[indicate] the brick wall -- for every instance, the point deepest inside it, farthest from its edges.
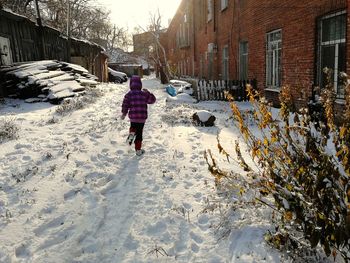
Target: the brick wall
(298, 22)
(251, 20)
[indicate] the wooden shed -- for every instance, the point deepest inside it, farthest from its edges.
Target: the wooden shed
(23, 40)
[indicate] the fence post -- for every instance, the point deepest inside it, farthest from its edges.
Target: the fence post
(199, 90)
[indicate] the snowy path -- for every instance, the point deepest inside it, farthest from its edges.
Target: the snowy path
(73, 191)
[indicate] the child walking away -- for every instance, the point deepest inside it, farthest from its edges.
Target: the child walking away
(135, 105)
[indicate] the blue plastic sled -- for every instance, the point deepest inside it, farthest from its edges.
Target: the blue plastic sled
(171, 90)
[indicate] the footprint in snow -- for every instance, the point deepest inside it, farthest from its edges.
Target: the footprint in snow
(188, 185)
(57, 222)
(194, 248)
(155, 188)
(120, 152)
(26, 158)
(187, 206)
(70, 194)
(157, 228)
(22, 251)
(198, 196)
(196, 238)
(203, 219)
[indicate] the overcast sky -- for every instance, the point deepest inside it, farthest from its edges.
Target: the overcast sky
(131, 13)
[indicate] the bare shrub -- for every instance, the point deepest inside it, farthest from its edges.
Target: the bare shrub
(304, 164)
(8, 129)
(88, 97)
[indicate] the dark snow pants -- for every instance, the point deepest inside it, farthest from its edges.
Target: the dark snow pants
(137, 128)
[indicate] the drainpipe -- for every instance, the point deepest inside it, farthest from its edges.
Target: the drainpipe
(216, 49)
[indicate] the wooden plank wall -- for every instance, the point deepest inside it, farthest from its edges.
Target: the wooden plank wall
(25, 41)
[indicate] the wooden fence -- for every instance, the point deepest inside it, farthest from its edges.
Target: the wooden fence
(217, 89)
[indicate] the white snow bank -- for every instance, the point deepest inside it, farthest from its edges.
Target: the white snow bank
(181, 98)
(179, 83)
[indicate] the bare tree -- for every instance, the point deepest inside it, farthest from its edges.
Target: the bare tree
(158, 53)
(23, 7)
(87, 21)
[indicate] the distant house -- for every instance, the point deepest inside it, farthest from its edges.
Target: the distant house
(275, 42)
(128, 69)
(129, 63)
(145, 47)
(23, 40)
(143, 44)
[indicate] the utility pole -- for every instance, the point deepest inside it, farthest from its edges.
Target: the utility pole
(68, 32)
(40, 31)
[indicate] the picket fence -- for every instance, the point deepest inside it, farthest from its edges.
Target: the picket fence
(217, 89)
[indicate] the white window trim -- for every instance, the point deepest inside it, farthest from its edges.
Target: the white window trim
(210, 10)
(225, 61)
(240, 54)
(328, 43)
(223, 4)
(273, 85)
(334, 14)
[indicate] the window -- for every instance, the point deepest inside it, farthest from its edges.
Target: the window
(273, 59)
(225, 63)
(332, 51)
(210, 10)
(224, 4)
(243, 60)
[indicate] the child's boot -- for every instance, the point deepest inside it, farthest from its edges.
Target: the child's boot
(131, 136)
(139, 151)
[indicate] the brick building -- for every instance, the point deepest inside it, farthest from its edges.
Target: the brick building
(143, 44)
(275, 42)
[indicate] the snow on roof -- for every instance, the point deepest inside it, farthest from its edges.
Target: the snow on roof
(121, 57)
(88, 42)
(10, 12)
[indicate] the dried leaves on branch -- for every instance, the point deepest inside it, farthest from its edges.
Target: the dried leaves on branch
(304, 163)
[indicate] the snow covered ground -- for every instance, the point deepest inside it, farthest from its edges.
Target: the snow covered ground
(71, 190)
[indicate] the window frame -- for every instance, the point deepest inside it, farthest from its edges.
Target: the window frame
(274, 78)
(223, 5)
(246, 60)
(225, 63)
(331, 43)
(210, 11)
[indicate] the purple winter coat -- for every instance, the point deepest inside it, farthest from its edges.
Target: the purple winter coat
(136, 100)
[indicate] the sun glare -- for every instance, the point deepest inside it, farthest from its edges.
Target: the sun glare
(135, 13)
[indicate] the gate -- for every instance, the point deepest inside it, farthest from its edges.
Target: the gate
(5, 51)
